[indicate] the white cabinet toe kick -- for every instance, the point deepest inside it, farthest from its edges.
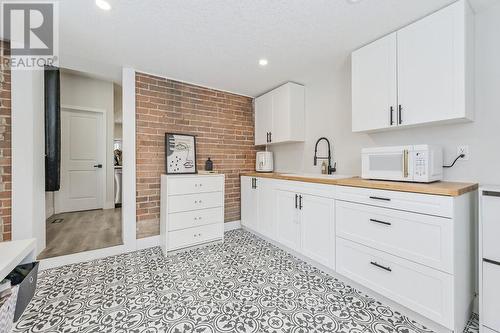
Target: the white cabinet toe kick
(415, 250)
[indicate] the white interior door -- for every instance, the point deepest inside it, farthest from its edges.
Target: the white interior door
(82, 161)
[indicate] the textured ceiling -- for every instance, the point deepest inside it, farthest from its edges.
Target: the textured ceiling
(217, 43)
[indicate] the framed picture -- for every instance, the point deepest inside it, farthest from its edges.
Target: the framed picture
(180, 153)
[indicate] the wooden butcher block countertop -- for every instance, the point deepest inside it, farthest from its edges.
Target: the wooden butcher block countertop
(451, 189)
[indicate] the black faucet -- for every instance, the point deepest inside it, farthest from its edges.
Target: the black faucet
(316, 158)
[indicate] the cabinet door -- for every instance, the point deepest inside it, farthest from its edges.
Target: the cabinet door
(429, 56)
(491, 295)
(287, 219)
(263, 118)
(249, 203)
(374, 85)
(267, 224)
(317, 229)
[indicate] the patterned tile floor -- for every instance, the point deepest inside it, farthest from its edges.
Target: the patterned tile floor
(243, 285)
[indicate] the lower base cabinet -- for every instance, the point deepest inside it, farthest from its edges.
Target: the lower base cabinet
(301, 221)
(317, 229)
(287, 219)
(421, 288)
(414, 249)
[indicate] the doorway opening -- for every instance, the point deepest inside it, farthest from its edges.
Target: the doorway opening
(85, 213)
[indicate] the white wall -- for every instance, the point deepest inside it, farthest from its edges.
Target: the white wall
(28, 161)
(88, 93)
(328, 110)
(118, 111)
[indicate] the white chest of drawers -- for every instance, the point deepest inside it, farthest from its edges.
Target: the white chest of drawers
(191, 211)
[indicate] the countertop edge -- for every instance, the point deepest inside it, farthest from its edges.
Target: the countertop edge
(451, 189)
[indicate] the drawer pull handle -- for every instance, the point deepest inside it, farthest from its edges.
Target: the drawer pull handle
(379, 198)
(491, 194)
(380, 222)
(380, 266)
(493, 262)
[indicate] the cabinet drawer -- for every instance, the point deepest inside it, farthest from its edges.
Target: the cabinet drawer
(419, 203)
(187, 185)
(195, 218)
(425, 239)
(193, 236)
(490, 217)
(491, 296)
(183, 203)
(420, 288)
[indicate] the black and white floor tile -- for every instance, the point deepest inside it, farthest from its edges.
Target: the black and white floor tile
(243, 285)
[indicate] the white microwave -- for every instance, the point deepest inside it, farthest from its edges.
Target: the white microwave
(419, 163)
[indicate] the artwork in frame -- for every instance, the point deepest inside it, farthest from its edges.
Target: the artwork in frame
(180, 153)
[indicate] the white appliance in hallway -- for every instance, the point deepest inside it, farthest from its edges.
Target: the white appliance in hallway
(418, 163)
(489, 260)
(82, 158)
(118, 185)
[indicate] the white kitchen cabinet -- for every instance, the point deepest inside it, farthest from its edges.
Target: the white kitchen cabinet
(263, 118)
(249, 203)
(491, 296)
(280, 115)
(415, 249)
(266, 207)
(432, 67)
(489, 259)
(422, 289)
(317, 229)
(429, 64)
(374, 85)
(288, 219)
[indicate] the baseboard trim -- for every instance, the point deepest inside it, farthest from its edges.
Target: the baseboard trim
(147, 242)
(140, 244)
(228, 226)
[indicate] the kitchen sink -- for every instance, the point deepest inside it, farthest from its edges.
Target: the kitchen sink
(315, 175)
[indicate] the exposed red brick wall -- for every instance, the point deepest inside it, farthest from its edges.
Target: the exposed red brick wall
(224, 128)
(5, 147)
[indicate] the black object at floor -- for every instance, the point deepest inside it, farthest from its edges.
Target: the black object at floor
(25, 276)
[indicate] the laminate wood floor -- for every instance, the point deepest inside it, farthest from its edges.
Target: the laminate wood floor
(82, 231)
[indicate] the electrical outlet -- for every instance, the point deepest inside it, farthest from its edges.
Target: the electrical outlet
(463, 150)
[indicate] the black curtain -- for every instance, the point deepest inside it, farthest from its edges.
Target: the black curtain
(52, 129)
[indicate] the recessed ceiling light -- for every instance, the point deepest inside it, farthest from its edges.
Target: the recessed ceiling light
(103, 4)
(263, 62)
(354, 1)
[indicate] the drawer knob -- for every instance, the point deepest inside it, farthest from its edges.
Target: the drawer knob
(201, 185)
(195, 218)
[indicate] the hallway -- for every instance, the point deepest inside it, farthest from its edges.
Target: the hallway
(69, 233)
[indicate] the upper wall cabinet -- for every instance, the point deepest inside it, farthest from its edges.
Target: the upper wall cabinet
(280, 115)
(420, 74)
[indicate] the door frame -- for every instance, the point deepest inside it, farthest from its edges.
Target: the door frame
(28, 182)
(102, 114)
